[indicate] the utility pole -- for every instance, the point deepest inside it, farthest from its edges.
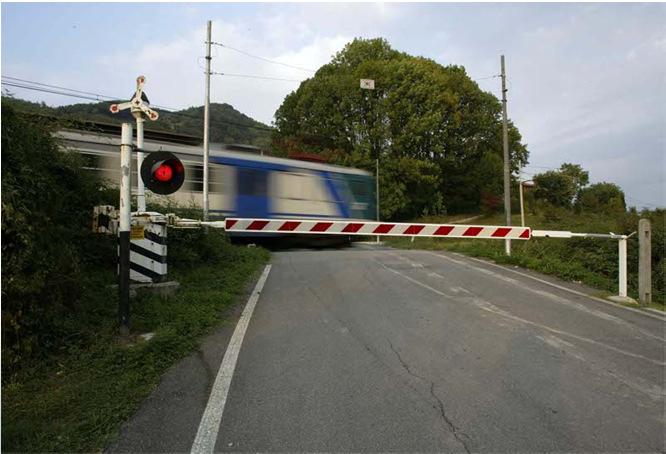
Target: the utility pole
(507, 168)
(206, 137)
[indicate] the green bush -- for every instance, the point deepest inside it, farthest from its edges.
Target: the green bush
(49, 253)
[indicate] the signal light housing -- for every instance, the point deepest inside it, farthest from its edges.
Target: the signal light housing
(162, 172)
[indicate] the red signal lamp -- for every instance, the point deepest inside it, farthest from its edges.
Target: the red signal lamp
(162, 172)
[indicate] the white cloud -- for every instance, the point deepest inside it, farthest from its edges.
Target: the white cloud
(586, 82)
(174, 69)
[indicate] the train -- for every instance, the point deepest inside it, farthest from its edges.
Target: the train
(243, 182)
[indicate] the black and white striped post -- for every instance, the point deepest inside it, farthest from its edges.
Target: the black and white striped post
(124, 228)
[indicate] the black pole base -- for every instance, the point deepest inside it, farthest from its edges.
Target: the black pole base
(124, 283)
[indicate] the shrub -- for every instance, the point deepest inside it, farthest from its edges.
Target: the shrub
(48, 248)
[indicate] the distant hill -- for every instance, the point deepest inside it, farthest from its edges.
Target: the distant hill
(227, 125)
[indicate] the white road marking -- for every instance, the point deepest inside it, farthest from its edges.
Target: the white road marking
(434, 290)
(489, 307)
(212, 416)
(552, 284)
(544, 294)
(547, 295)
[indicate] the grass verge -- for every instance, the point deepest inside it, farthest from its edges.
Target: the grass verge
(75, 401)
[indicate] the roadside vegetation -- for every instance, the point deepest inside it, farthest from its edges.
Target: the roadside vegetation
(437, 134)
(68, 381)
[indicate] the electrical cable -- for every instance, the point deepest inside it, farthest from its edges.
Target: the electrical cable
(263, 58)
(57, 90)
(252, 76)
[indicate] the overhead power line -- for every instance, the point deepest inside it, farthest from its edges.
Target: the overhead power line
(488, 77)
(46, 90)
(247, 54)
(56, 87)
(253, 76)
(70, 92)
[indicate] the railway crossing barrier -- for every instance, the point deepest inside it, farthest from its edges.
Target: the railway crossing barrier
(373, 228)
(320, 226)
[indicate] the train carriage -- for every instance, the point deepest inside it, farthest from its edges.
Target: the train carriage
(242, 181)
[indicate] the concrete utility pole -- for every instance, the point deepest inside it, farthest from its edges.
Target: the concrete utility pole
(206, 137)
(507, 167)
(644, 262)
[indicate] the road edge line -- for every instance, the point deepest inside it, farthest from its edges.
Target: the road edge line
(552, 284)
(209, 427)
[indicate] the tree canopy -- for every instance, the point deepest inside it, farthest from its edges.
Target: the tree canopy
(563, 186)
(437, 135)
(601, 197)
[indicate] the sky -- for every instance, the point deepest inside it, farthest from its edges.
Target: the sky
(587, 82)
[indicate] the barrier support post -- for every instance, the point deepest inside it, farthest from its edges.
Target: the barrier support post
(622, 271)
(644, 263)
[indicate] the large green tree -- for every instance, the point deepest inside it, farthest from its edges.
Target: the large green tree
(561, 187)
(430, 122)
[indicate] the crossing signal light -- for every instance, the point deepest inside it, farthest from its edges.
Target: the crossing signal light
(162, 172)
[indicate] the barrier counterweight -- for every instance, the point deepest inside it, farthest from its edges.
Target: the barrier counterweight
(148, 255)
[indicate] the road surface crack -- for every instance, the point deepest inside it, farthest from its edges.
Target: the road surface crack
(457, 433)
(452, 427)
(404, 364)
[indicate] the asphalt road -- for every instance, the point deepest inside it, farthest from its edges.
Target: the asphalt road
(373, 349)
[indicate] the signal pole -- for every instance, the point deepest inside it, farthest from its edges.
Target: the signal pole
(124, 228)
(141, 190)
(507, 169)
(206, 137)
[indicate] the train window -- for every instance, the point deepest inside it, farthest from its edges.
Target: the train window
(251, 182)
(359, 189)
(196, 180)
(90, 161)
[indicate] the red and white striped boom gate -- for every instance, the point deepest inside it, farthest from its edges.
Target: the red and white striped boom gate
(350, 227)
(337, 227)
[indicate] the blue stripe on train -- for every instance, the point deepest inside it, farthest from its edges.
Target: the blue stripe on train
(331, 185)
(263, 209)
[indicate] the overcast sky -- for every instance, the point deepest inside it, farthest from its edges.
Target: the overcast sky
(587, 82)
